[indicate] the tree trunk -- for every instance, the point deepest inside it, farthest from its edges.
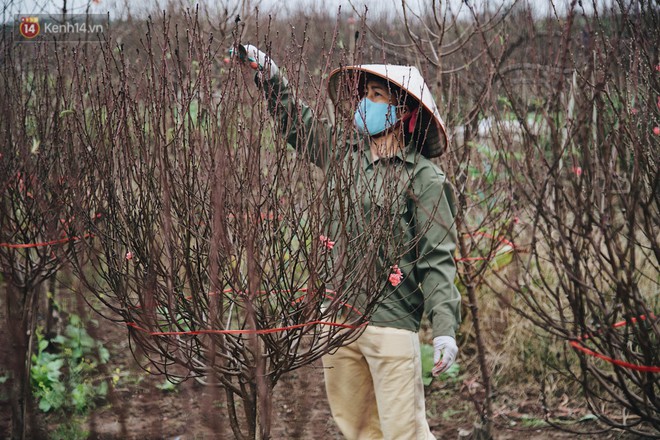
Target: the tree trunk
(20, 327)
(481, 431)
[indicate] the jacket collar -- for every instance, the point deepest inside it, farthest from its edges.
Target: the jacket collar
(407, 155)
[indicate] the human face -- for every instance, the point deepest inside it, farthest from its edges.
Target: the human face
(378, 111)
(378, 92)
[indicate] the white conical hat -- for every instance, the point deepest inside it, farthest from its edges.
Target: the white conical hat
(408, 79)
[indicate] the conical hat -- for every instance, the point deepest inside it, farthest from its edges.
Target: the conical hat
(408, 79)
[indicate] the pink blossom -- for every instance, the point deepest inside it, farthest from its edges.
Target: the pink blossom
(394, 279)
(395, 276)
(657, 67)
(634, 111)
(656, 131)
(516, 220)
(577, 171)
(329, 244)
(129, 255)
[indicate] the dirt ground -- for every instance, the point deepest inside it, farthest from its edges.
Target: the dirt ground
(139, 409)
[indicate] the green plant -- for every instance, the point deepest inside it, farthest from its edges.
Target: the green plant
(168, 385)
(62, 371)
(451, 374)
(533, 422)
(71, 430)
(45, 376)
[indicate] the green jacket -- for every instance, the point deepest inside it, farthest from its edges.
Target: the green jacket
(423, 214)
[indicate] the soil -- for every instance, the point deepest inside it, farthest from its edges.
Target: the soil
(139, 409)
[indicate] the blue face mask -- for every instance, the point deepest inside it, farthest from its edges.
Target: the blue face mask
(374, 118)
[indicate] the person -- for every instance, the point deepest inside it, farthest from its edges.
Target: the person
(374, 384)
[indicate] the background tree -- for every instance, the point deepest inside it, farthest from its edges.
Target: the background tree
(591, 194)
(213, 245)
(38, 217)
(553, 121)
(187, 214)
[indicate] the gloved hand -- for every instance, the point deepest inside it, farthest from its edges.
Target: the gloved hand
(254, 58)
(445, 351)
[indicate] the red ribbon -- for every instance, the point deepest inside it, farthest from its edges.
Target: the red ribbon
(45, 243)
(413, 120)
(577, 344)
(328, 294)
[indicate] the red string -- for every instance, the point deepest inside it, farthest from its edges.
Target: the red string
(577, 344)
(67, 239)
(328, 294)
(45, 243)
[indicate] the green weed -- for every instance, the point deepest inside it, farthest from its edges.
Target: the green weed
(63, 369)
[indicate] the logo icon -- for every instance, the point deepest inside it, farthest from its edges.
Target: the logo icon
(29, 27)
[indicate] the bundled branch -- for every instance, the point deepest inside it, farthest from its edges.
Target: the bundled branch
(38, 217)
(229, 257)
(553, 149)
(588, 183)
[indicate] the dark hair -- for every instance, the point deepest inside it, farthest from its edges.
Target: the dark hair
(402, 96)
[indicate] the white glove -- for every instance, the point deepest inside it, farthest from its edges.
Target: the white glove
(256, 59)
(444, 355)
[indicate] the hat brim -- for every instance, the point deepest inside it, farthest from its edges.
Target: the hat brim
(354, 78)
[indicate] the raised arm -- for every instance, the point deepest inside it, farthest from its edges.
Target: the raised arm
(303, 130)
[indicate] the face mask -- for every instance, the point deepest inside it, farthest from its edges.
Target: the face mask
(374, 118)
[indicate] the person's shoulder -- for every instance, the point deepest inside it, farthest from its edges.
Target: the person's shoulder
(427, 172)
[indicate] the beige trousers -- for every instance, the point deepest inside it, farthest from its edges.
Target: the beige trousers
(375, 387)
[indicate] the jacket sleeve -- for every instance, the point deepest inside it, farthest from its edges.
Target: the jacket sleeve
(436, 268)
(302, 129)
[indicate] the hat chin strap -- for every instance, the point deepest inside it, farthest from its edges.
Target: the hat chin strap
(412, 118)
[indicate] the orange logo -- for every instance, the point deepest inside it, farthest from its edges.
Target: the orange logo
(29, 27)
